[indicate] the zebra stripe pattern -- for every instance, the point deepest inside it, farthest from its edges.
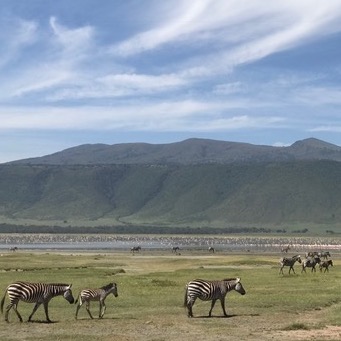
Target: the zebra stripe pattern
(99, 295)
(38, 293)
(210, 291)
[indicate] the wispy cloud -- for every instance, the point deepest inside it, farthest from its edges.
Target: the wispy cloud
(184, 66)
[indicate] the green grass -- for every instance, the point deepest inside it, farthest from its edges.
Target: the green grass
(151, 292)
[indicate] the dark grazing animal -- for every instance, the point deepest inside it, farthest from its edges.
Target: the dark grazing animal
(176, 250)
(135, 249)
(325, 264)
(210, 291)
(211, 249)
(284, 261)
(99, 295)
(38, 293)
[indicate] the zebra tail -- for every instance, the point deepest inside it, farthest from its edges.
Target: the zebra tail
(185, 298)
(2, 302)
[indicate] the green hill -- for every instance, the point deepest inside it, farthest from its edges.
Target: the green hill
(291, 194)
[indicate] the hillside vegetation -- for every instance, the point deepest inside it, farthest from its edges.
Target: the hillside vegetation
(295, 193)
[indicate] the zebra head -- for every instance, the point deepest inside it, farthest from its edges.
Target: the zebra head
(239, 287)
(113, 290)
(68, 294)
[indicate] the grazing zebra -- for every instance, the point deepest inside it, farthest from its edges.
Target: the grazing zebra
(310, 263)
(289, 262)
(325, 264)
(135, 249)
(210, 291)
(100, 295)
(13, 249)
(176, 250)
(211, 249)
(38, 293)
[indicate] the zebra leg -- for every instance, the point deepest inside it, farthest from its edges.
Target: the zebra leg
(212, 305)
(222, 301)
(189, 306)
(102, 309)
(46, 308)
(87, 306)
(34, 310)
(78, 306)
(14, 306)
(281, 270)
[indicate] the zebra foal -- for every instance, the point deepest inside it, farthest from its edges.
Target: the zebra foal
(38, 293)
(325, 264)
(210, 291)
(100, 295)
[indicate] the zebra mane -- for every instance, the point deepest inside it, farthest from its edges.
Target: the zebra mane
(108, 286)
(60, 284)
(231, 279)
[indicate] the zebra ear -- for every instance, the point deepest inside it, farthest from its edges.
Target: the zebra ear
(237, 279)
(70, 286)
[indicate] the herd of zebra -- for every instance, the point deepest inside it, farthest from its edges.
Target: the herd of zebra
(42, 293)
(311, 260)
(206, 290)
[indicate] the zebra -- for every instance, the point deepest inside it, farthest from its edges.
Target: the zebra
(176, 250)
(210, 291)
(289, 262)
(13, 249)
(135, 249)
(100, 295)
(310, 263)
(325, 264)
(324, 254)
(211, 249)
(38, 293)
(312, 254)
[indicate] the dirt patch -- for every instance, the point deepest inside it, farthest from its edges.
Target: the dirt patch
(328, 333)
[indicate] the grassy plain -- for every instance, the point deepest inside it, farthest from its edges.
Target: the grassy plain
(151, 292)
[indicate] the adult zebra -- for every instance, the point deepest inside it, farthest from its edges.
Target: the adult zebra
(87, 295)
(38, 293)
(310, 262)
(325, 264)
(211, 249)
(210, 291)
(289, 262)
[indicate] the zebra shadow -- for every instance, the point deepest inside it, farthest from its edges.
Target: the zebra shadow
(42, 321)
(222, 316)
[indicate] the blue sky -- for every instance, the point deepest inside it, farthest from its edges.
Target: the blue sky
(117, 71)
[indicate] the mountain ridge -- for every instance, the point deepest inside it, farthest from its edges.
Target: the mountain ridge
(190, 151)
